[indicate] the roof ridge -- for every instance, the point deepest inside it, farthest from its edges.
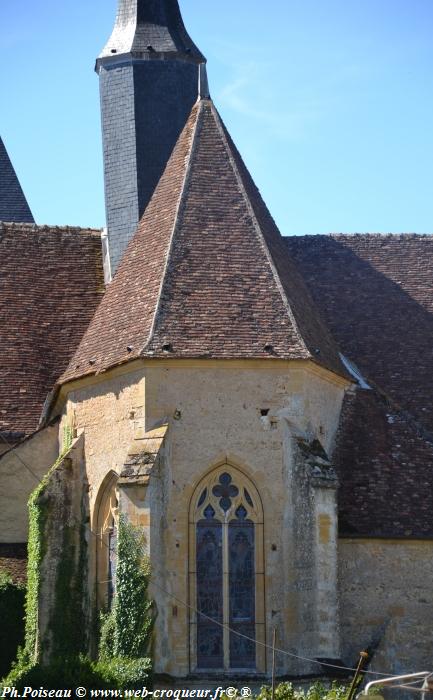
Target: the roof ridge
(48, 227)
(366, 234)
(257, 227)
(176, 223)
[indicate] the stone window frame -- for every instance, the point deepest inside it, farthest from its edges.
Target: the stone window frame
(255, 513)
(105, 512)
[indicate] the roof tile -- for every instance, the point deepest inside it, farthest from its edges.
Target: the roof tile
(376, 294)
(207, 273)
(51, 280)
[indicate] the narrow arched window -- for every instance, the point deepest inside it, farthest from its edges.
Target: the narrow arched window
(226, 572)
(106, 514)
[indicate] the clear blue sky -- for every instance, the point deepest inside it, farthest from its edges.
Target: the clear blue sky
(329, 101)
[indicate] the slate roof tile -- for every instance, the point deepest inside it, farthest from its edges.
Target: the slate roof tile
(13, 204)
(158, 24)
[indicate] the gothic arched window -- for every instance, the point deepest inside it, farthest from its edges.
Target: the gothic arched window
(106, 514)
(226, 572)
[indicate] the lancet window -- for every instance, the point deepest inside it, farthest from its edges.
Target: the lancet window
(226, 572)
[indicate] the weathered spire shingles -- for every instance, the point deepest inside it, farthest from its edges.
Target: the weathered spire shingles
(13, 204)
(206, 274)
(152, 26)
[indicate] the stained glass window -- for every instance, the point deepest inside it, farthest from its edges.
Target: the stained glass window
(202, 498)
(242, 590)
(225, 532)
(225, 491)
(112, 561)
(248, 498)
(209, 560)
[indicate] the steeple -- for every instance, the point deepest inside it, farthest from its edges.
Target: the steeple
(150, 74)
(13, 204)
(207, 274)
(150, 27)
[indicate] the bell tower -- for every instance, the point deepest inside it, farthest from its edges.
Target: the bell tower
(149, 72)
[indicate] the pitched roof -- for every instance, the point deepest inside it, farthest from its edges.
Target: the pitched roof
(13, 204)
(207, 273)
(51, 280)
(376, 294)
(151, 27)
(385, 468)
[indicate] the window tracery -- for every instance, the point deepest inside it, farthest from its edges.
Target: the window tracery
(226, 579)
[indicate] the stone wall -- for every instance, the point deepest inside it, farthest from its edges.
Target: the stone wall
(251, 417)
(109, 413)
(62, 529)
(386, 602)
(38, 452)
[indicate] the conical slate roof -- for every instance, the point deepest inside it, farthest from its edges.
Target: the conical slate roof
(152, 27)
(13, 204)
(207, 274)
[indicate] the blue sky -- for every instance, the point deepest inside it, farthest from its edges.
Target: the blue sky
(329, 101)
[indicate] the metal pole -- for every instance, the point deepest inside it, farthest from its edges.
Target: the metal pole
(274, 640)
(363, 656)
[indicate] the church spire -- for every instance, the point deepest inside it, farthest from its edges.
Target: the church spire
(151, 74)
(150, 27)
(13, 204)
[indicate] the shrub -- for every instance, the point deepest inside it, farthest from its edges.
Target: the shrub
(62, 673)
(126, 630)
(124, 640)
(317, 691)
(125, 673)
(81, 671)
(12, 598)
(106, 636)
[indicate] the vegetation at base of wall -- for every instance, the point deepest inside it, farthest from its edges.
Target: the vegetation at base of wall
(317, 691)
(288, 691)
(125, 634)
(71, 672)
(12, 597)
(38, 514)
(69, 639)
(38, 508)
(37, 519)
(127, 629)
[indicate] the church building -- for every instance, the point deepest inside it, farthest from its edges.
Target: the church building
(260, 405)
